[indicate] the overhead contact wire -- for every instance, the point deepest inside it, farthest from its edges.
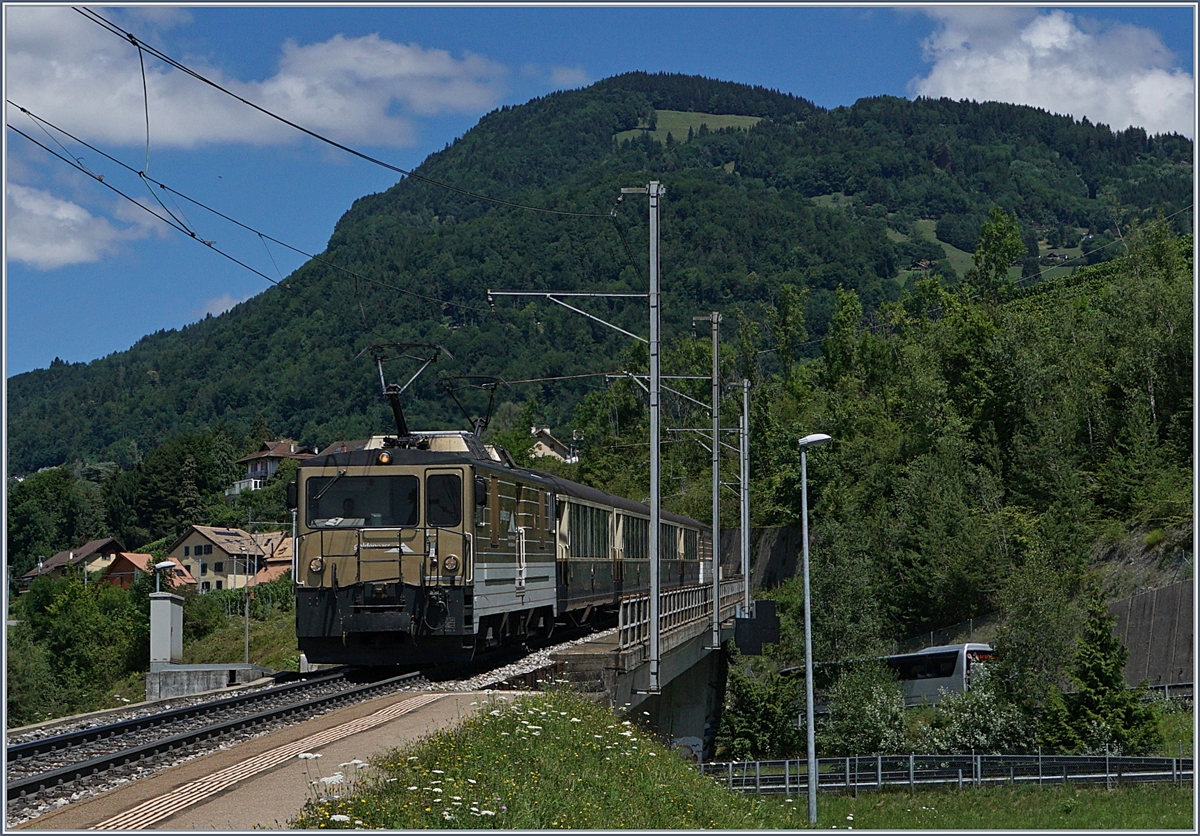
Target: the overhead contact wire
(317, 258)
(112, 27)
(170, 223)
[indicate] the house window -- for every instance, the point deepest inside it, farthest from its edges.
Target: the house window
(219, 566)
(218, 584)
(208, 548)
(203, 569)
(204, 587)
(185, 550)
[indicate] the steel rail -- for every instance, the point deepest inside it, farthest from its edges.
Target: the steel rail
(67, 740)
(37, 783)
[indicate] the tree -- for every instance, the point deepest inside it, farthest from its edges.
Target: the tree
(1102, 715)
(999, 246)
(1034, 641)
(786, 321)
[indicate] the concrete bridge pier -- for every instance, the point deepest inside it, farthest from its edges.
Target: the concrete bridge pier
(691, 674)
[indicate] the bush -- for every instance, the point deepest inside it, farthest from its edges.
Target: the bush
(866, 714)
(759, 717)
(979, 720)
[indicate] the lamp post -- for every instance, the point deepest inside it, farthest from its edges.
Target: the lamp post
(813, 775)
(158, 567)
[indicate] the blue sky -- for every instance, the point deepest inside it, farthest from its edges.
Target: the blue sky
(88, 273)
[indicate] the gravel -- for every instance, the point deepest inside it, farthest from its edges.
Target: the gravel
(22, 810)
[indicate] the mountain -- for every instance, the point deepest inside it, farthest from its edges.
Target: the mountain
(764, 190)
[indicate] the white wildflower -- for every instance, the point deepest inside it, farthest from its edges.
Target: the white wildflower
(339, 817)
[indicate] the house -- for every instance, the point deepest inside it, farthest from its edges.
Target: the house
(262, 464)
(95, 556)
(277, 548)
(126, 566)
(226, 558)
(547, 445)
(345, 446)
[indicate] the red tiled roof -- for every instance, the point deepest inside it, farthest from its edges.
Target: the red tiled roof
(128, 562)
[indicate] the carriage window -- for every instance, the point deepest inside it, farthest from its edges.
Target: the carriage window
(691, 544)
(668, 543)
(589, 531)
(443, 499)
(636, 538)
(362, 501)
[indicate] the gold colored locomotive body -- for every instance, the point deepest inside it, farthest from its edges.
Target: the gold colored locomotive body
(427, 551)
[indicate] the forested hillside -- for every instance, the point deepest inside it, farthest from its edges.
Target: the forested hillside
(869, 198)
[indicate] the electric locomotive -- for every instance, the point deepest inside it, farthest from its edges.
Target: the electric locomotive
(427, 547)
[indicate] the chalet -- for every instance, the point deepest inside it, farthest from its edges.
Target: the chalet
(94, 556)
(126, 566)
(227, 558)
(545, 444)
(262, 464)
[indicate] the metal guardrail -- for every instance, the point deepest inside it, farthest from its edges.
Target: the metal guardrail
(678, 608)
(913, 771)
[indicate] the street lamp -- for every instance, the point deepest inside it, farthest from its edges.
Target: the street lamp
(158, 567)
(813, 776)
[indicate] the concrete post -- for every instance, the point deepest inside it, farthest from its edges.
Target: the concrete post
(166, 630)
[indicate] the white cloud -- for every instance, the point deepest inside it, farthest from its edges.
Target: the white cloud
(46, 232)
(356, 90)
(1120, 75)
(568, 76)
(218, 305)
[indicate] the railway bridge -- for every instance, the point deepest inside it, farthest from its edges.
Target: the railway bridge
(691, 671)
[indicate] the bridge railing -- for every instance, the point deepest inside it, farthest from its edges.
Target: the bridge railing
(915, 771)
(678, 609)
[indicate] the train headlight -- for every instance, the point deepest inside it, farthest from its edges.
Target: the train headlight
(316, 564)
(385, 457)
(451, 563)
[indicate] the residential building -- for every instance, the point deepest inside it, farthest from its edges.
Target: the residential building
(262, 464)
(547, 445)
(95, 556)
(228, 558)
(126, 566)
(277, 550)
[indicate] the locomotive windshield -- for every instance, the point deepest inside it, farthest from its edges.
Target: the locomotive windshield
(443, 496)
(354, 501)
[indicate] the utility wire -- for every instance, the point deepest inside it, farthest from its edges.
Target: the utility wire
(141, 45)
(170, 223)
(41, 122)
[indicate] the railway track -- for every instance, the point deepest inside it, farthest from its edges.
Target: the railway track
(62, 762)
(51, 770)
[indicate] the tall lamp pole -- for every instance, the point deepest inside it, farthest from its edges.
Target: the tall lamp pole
(813, 774)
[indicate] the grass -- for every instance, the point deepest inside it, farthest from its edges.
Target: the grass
(677, 122)
(1070, 807)
(558, 761)
(272, 643)
(1176, 724)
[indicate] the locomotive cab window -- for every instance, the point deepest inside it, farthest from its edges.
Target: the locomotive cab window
(443, 500)
(359, 501)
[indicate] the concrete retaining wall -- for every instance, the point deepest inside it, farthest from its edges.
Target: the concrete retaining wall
(184, 680)
(1158, 628)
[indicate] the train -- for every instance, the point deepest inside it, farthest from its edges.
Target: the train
(433, 546)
